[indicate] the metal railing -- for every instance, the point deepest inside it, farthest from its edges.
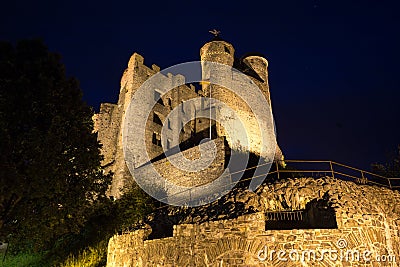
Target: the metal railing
(336, 170)
(291, 215)
(316, 169)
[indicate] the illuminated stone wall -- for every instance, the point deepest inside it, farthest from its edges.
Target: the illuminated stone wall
(109, 121)
(183, 178)
(368, 219)
(256, 68)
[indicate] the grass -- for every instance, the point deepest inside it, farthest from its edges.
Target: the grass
(95, 256)
(23, 260)
(90, 257)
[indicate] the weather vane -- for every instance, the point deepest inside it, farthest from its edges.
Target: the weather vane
(215, 32)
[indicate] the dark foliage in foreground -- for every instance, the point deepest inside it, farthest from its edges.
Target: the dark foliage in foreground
(391, 168)
(50, 172)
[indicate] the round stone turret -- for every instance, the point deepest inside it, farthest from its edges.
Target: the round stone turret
(222, 52)
(259, 64)
(218, 50)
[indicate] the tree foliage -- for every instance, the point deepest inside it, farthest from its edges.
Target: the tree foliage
(390, 168)
(107, 219)
(50, 172)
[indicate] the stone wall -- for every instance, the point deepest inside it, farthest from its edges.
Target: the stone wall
(186, 179)
(109, 121)
(368, 219)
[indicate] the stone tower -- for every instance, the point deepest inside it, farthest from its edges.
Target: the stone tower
(109, 122)
(218, 50)
(255, 67)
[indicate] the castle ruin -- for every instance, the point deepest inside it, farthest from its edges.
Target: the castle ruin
(109, 121)
(290, 222)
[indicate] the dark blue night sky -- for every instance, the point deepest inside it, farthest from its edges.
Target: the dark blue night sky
(333, 65)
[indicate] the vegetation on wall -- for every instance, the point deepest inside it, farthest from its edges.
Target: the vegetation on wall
(391, 168)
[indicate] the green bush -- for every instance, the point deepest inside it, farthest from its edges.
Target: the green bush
(90, 257)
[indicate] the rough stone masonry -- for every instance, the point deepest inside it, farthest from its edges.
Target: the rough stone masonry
(367, 220)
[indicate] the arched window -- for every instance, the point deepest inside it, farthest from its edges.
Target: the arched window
(182, 107)
(156, 139)
(156, 119)
(227, 50)
(169, 143)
